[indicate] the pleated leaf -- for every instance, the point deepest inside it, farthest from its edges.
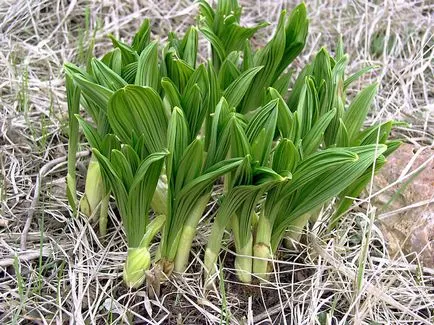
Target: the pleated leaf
(142, 37)
(105, 76)
(189, 46)
(269, 57)
(358, 110)
(285, 157)
(177, 137)
(128, 54)
(235, 92)
(148, 73)
(185, 200)
(113, 60)
(325, 187)
(260, 131)
(139, 110)
(296, 32)
(314, 137)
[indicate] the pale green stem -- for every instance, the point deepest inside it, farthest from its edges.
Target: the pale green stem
(243, 264)
(94, 188)
(71, 189)
(103, 215)
(159, 200)
(262, 248)
(243, 261)
(138, 258)
(152, 229)
(137, 263)
(314, 214)
(188, 233)
(213, 247)
(255, 221)
(295, 231)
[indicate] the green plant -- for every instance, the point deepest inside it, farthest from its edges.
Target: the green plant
(132, 167)
(73, 97)
(163, 129)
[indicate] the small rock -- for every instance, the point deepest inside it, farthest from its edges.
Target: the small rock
(410, 231)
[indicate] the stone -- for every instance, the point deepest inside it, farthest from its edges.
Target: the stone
(409, 231)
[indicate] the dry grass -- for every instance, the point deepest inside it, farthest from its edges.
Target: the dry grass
(66, 274)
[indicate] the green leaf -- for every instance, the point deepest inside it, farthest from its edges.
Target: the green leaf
(195, 111)
(189, 46)
(281, 85)
(316, 165)
(216, 43)
(71, 69)
(219, 135)
(304, 117)
(322, 74)
(357, 75)
(95, 93)
(190, 166)
(131, 156)
(113, 60)
(266, 175)
(235, 92)
(377, 133)
(227, 74)
(123, 168)
(285, 157)
(239, 196)
(247, 56)
(260, 131)
(177, 138)
(297, 89)
(73, 100)
(185, 202)
(296, 31)
(105, 76)
(286, 123)
(128, 54)
(269, 57)
(138, 110)
(313, 138)
(214, 95)
(109, 173)
(322, 71)
(133, 195)
(178, 70)
(140, 196)
(129, 72)
(206, 12)
(171, 92)
(240, 203)
(358, 110)
(346, 198)
(243, 174)
(91, 133)
(308, 108)
(240, 146)
(148, 73)
(392, 146)
(342, 138)
(142, 37)
(323, 187)
(236, 36)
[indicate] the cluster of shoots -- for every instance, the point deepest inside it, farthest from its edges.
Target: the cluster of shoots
(164, 129)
